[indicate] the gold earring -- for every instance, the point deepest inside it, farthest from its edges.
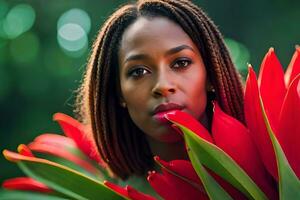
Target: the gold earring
(123, 104)
(211, 89)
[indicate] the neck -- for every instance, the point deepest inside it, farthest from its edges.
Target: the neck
(168, 151)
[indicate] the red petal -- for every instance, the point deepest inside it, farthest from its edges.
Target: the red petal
(75, 130)
(294, 67)
(181, 174)
(55, 139)
(233, 137)
(272, 86)
(256, 125)
(189, 122)
(25, 183)
(159, 183)
(24, 150)
(118, 189)
(62, 152)
(128, 192)
(289, 125)
(183, 168)
(186, 170)
(136, 195)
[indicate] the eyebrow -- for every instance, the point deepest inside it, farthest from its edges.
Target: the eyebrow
(169, 52)
(179, 48)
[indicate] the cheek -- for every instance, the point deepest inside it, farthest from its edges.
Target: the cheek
(197, 95)
(135, 95)
(138, 112)
(197, 102)
(136, 99)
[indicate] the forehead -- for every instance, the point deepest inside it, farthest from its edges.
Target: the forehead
(151, 33)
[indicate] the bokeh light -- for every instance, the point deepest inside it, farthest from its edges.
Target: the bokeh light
(239, 53)
(72, 37)
(75, 16)
(72, 32)
(18, 20)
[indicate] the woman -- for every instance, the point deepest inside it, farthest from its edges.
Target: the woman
(152, 57)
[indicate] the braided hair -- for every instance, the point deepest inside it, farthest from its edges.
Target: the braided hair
(122, 145)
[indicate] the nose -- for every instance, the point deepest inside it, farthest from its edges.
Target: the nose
(164, 86)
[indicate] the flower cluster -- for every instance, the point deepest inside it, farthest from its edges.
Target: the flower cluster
(256, 160)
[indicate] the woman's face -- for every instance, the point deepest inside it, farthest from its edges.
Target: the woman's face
(161, 70)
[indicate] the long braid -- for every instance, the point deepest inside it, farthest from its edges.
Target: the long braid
(110, 136)
(121, 157)
(122, 145)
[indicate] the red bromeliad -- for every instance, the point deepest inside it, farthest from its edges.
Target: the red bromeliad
(61, 147)
(245, 145)
(280, 94)
(80, 134)
(235, 141)
(176, 174)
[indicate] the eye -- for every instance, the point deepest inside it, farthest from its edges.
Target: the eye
(181, 63)
(137, 72)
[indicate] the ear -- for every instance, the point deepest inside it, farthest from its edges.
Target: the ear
(209, 86)
(122, 102)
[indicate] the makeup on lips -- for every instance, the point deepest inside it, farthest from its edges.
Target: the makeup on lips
(162, 109)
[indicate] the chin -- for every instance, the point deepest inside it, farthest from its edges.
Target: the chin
(171, 137)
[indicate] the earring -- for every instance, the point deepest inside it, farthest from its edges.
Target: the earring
(211, 93)
(123, 104)
(211, 89)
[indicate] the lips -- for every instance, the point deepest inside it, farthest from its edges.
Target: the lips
(160, 110)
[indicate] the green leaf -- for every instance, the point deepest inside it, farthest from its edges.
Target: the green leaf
(213, 189)
(13, 195)
(221, 163)
(289, 184)
(100, 176)
(65, 180)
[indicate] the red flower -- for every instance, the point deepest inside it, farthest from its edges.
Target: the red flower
(233, 138)
(281, 99)
(80, 134)
(177, 174)
(59, 146)
(25, 183)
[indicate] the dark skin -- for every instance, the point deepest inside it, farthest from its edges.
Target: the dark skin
(160, 64)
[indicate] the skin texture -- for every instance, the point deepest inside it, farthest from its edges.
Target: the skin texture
(152, 74)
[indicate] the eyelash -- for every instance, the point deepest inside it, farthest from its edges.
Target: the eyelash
(132, 71)
(135, 69)
(186, 60)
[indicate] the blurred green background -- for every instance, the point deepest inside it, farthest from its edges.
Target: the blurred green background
(44, 47)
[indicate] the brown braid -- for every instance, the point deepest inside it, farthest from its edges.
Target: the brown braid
(121, 144)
